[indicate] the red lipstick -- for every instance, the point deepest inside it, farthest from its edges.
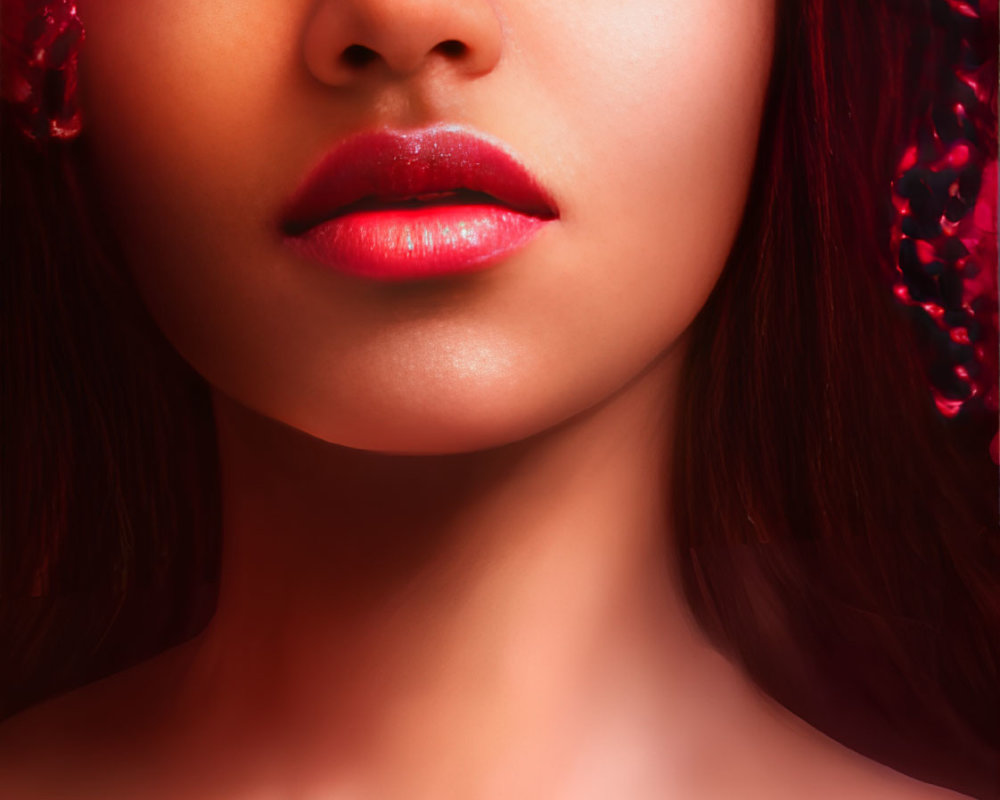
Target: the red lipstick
(403, 205)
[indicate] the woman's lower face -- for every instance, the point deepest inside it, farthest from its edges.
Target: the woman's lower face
(424, 226)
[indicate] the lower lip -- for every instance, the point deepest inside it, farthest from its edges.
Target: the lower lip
(414, 243)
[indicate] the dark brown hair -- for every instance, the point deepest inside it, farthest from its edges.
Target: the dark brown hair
(841, 536)
(838, 537)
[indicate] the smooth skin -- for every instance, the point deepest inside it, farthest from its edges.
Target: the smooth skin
(447, 565)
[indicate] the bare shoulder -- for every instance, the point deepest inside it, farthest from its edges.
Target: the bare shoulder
(47, 741)
(37, 742)
(64, 746)
(827, 770)
(879, 782)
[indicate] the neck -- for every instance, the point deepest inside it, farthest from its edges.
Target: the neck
(399, 606)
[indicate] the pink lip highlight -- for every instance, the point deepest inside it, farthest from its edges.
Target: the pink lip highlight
(393, 206)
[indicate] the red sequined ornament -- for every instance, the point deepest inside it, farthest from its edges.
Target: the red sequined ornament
(41, 46)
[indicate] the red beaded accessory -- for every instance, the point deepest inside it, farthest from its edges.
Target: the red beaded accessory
(41, 45)
(945, 232)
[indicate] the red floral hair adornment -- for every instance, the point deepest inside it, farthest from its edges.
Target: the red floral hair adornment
(41, 46)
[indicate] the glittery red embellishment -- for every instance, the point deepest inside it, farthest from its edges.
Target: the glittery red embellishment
(945, 234)
(41, 41)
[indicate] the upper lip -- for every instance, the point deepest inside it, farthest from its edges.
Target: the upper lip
(390, 166)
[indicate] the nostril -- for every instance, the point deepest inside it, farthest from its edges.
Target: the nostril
(357, 55)
(452, 48)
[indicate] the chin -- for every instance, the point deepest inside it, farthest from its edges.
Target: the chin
(426, 434)
(460, 417)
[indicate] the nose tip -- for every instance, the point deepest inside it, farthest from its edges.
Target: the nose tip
(349, 39)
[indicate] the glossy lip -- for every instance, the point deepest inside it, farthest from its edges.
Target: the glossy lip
(403, 205)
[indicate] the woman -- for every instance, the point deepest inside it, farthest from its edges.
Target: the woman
(558, 402)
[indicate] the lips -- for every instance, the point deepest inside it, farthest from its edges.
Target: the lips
(392, 205)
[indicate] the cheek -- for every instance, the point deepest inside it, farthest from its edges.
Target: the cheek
(661, 104)
(180, 100)
(193, 71)
(659, 108)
